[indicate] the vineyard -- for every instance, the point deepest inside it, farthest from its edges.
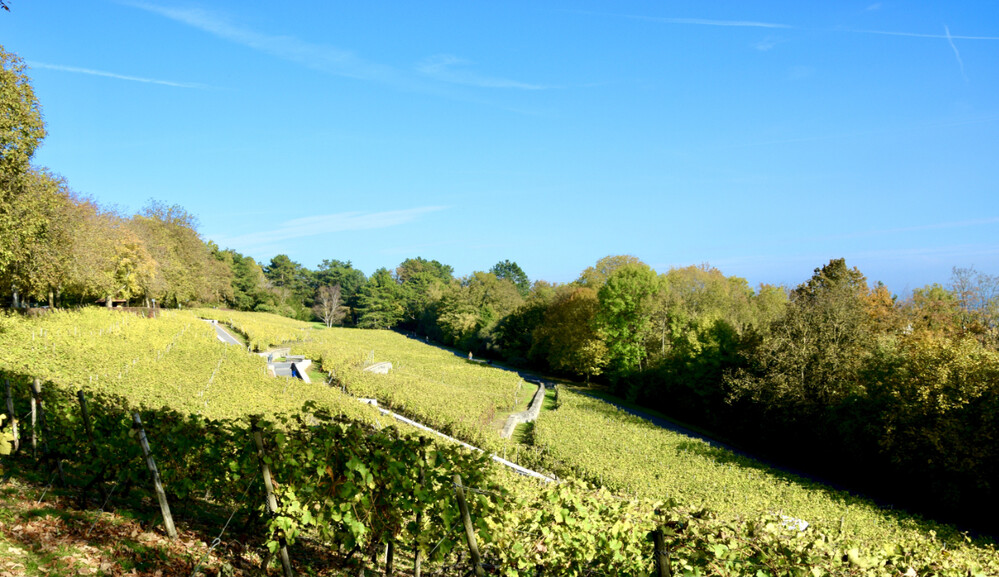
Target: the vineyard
(464, 399)
(360, 489)
(651, 462)
(172, 361)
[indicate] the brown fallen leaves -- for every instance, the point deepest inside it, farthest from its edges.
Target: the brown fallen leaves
(53, 539)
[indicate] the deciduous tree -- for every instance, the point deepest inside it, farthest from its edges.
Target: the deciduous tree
(568, 334)
(41, 267)
(625, 317)
(811, 357)
(21, 126)
(21, 131)
(328, 307)
(470, 312)
(596, 275)
(110, 260)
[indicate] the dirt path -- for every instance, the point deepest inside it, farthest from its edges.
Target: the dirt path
(224, 335)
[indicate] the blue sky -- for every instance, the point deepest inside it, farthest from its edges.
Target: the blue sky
(763, 138)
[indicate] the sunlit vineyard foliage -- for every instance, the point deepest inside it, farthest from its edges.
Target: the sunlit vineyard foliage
(263, 330)
(591, 439)
(430, 384)
(434, 386)
(354, 486)
(174, 360)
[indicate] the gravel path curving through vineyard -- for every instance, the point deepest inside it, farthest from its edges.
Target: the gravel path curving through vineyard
(223, 334)
(228, 339)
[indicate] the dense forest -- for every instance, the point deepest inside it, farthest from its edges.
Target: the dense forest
(900, 396)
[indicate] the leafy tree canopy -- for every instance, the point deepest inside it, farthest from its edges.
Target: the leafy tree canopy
(419, 267)
(507, 270)
(21, 125)
(596, 275)
(338, 272)
(380, 304)
(625, 317)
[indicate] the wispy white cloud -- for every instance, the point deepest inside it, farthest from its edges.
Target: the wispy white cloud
(321, 57)
(321, 224)
(950, 40)
(331, 59)
(92, 72)
(873, 7)
(447, 68)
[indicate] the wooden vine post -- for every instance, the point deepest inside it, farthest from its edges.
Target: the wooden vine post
(473, 548)
(389, 554)
(87, 428)
(157, 483)
(258, 439)
(34, 426)
(36, 398)
(417, 561)
(11, 416)
(661, 553)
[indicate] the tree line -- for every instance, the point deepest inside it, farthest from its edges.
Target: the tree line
(901, 395)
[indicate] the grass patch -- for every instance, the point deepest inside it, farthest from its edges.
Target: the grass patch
(523, 434)
(315, 375)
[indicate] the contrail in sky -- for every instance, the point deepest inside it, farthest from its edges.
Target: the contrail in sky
(92, 72)
(709, 22)
(956, 53)
(947, 36)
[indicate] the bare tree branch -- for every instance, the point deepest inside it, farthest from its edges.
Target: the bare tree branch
(327, 305)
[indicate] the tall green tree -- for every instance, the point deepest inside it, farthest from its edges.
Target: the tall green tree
(812, 355)
(596, 275)
(294, 286)
(419, 266)
(690, 301)
(349, 279)
(21, 125)
(187, 270)
(21, 131)
(249, 284)
(625, 317)
(422, 286)
(380, 303)
(42, 264)
(568, 335)
(337, 272)
(515, 333)
(699, 316)
(507, 270)
(471, 311)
